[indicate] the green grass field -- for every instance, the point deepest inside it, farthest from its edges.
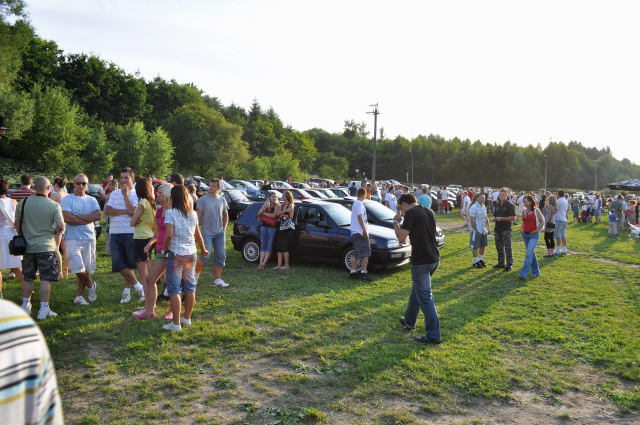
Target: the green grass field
(308, 345)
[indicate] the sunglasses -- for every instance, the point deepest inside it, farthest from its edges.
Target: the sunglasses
(81, 183)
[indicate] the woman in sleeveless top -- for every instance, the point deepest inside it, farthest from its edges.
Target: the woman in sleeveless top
(532, 224)
(7, 232)
(56, 195)
(284, 236)
(267, 233)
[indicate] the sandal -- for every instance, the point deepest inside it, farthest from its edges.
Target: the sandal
(520, 277)
(285, 268)
(168, 316)
(276, 268)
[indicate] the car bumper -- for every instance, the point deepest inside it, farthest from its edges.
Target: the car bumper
(390, 258)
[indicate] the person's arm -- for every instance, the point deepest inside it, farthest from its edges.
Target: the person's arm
(401, 233)
(200, 242)
(127, 202)
(225, 219)
(168, 236)
(59, 226)
(136, 215)
(153, 240)
(199, 213)
(472, 220)
(73, 220)
(365, 234)
(487, 224)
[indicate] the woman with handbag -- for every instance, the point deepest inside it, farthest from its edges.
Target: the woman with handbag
(7, 232)
(550, 225)
(532, 224)
(267, 215)
(285, 214)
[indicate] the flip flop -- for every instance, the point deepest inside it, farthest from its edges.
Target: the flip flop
(168, 317)
(285, 268)
(276, 268)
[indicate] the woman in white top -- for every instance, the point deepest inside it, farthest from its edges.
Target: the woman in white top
(59, 183)
(7, 232)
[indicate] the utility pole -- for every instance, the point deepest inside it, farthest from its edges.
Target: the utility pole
(545, 173)
(595, 181)
(411, 152)
(375, 113)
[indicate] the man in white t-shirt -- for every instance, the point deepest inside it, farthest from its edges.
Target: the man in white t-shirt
(559, 232)
(360, 238)
(390, 201)
(520, 205)
(120, 207)
(444, 193)
(464, 211)
(80, 211)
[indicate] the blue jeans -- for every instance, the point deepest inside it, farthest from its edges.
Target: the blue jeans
(530, 261)
(219, 243)
(422, 299)
(122, 252)
(267, 235)
(180, 272)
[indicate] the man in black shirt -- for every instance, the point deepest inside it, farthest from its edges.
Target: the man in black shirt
(503, 215)
(420, 225)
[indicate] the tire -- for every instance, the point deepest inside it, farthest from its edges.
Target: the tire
(346, 259)
(251, 250)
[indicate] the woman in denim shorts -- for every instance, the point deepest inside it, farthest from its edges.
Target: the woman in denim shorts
(182, 234)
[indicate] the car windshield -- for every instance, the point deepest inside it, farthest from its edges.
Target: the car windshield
(304, 186)
(237, 196)
(380, 211)
(329, 193)
(339, 214)
(306, 194)
(318, 194)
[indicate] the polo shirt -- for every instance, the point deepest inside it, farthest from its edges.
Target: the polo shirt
(20, 194)
(507, 209)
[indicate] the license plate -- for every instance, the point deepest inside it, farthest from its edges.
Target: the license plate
(407, 254)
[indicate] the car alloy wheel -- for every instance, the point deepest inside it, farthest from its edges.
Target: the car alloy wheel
(346, 259)
(251, 250)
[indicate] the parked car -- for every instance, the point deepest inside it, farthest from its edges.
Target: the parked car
(12, 187)
(247, 187)
(316, 193)
(340, 192)
(92, 190)
(262, 197)
(237, 202)
(298, 185)
(381, 215)
(297, 193)
(257, 183)
(328, 193)
(322, 234)
(278, 184)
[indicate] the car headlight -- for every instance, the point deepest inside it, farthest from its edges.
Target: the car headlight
(392, 244)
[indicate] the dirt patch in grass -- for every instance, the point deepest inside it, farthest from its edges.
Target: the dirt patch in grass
(602, 260)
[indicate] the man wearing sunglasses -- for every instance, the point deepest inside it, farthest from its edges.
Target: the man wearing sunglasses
(80, 211)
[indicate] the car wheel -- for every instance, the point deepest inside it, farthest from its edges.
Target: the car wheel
(346, 259)
(251, 250)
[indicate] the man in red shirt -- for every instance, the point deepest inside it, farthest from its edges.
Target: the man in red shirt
(25, 190)
(105, 184)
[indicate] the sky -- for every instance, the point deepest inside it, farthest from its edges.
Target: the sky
(493, 71)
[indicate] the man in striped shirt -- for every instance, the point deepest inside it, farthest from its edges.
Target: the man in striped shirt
(25, 190)
(28, 387)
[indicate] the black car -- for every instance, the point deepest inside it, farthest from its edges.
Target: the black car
(381, 215)
(322, 233)
(237, 202)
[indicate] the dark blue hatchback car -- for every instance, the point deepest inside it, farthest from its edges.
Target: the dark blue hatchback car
(322, 234)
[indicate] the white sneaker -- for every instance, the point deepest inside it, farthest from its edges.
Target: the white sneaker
(80, 301)
(11, 275)
(92, 293)
(27, 309)
(140, 294)
(171, 327)
(125, 298)
(220, 283)
(44, 314)
(186, 322)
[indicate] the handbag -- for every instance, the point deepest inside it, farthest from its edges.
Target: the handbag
(269, 221)
(18, 245)
(287, 224)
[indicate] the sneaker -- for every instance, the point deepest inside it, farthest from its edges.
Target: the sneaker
(365, 277)
(498, 266)
(171, 327)
(125, 298)
(427, 340)
(507, 269)
(403, 323)
(11, 275)
(220, 283)
(27, 308)
(44, 314)
(477, 265)
(185, 322)
(482, 264)
(140, 294)
(92, 293)
(80, 301)
(353, 276)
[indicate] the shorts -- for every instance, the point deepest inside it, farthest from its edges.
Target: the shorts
(159, 257)
(81, 255)
(361, 245)
(445, 204)
(478, 240)
(181, 273)
(560, 230)
(122, 252)
(465, 213)
(138, 250)
(44, 262)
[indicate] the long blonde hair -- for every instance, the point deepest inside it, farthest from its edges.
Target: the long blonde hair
(288, 196)
(551, 200)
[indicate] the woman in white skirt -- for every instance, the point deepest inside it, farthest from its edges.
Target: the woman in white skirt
(7, 232)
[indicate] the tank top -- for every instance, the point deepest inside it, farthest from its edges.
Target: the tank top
(529, 222)
(162, 229)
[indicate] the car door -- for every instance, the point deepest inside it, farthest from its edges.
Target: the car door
(312, 239)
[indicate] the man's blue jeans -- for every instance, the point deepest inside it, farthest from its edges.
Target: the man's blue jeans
(530, 261)
(422, 299)
(219, 243)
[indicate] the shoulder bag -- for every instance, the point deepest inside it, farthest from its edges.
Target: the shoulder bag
(18, 245)
(268, 221)
(286, 223)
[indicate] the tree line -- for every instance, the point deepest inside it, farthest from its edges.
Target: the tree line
(77, 112)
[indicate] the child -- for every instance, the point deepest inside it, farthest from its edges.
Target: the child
(613, 226)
